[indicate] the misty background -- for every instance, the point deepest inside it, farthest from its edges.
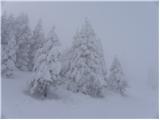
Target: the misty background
(127, 30)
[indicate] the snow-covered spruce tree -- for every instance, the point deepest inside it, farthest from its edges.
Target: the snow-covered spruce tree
(116, 81)
(46, 67)
(86, 69)
(8, 46)
(23, 41)
(37, 41)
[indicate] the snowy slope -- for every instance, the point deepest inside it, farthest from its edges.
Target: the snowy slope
(17, 104)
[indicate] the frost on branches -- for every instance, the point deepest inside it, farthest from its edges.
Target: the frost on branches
(116, 81)
(8, 45)
(86, 70)
(23, 39)
(37, 41)
(46, 67)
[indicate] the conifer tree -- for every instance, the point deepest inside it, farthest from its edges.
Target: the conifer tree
(23, 41)
(47, 66)
(8, 46)
(37, 41)
(86, 70)
(116, 81)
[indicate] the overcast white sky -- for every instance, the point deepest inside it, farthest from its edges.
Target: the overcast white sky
(126, 29)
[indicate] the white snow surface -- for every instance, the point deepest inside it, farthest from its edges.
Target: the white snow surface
(16, 103)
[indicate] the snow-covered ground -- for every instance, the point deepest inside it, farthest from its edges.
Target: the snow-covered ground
(17, 104)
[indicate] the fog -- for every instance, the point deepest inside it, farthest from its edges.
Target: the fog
(128, 30)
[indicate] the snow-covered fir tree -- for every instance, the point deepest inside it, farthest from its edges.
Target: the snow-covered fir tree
(116, 80)
(23, 41)
(8, 46)
(86, 68)
(53, 56)
(37, 41)
(47, 66)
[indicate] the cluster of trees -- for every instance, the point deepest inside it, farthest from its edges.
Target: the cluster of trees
(19, 43)
(81, 69)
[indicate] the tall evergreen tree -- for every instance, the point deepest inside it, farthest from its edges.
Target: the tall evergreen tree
(23, 41)
(37, 41)
(116, 81)
(86, 71)
(47, 66)
(8, 45)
